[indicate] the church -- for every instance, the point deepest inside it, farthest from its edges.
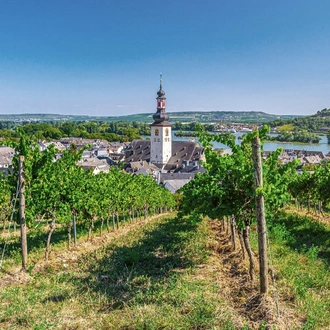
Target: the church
(161, 154)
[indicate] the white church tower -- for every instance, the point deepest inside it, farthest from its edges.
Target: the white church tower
(161, 138)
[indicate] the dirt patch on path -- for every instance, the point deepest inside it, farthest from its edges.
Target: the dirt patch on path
(252, 310)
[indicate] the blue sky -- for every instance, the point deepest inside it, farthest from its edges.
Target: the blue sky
(104, 57)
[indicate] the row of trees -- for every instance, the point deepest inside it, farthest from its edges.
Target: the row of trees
(191, 127)
(227, 190)
(311, 188)
(60, 190)
(111, 131)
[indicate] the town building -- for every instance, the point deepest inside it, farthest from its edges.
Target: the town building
(165, 155)
(6, 159)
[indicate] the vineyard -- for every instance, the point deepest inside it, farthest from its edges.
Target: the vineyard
(63, 194)
(113, 260)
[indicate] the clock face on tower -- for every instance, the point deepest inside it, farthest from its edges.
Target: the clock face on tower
(156, 131)
(166, 132)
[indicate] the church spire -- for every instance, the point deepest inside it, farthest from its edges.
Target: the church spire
(160, 82)
(161, 116)
(161, 93)
(161, 139)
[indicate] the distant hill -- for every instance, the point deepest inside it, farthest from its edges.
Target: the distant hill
(227, 116)
(185, 117)
(325, 113)
(319, 122)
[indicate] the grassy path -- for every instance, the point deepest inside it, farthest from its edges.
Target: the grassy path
(169, 273)
(300, 248)
(154, 276)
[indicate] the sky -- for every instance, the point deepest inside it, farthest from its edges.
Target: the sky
(104, 57)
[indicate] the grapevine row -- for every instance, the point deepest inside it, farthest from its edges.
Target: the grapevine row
(59, 190)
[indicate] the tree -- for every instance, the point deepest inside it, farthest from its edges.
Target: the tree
(227, 188)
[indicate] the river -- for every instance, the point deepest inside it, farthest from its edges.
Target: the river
(271, 146)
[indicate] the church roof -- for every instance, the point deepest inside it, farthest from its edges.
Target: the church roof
(185, 154)
(161, 93)
(174, 185)
(161, 118)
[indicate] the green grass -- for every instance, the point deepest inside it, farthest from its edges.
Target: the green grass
(159, 275)
(37, 238)
(300, 250)
(147, 279)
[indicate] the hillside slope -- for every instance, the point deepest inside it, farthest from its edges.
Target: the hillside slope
(317, 122)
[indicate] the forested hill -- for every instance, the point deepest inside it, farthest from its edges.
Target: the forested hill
(186, 117)
(325, 113)
(318, 122)
(227, 116)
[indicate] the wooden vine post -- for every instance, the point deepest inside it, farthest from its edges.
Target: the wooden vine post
(22, 213)
(261, 220)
